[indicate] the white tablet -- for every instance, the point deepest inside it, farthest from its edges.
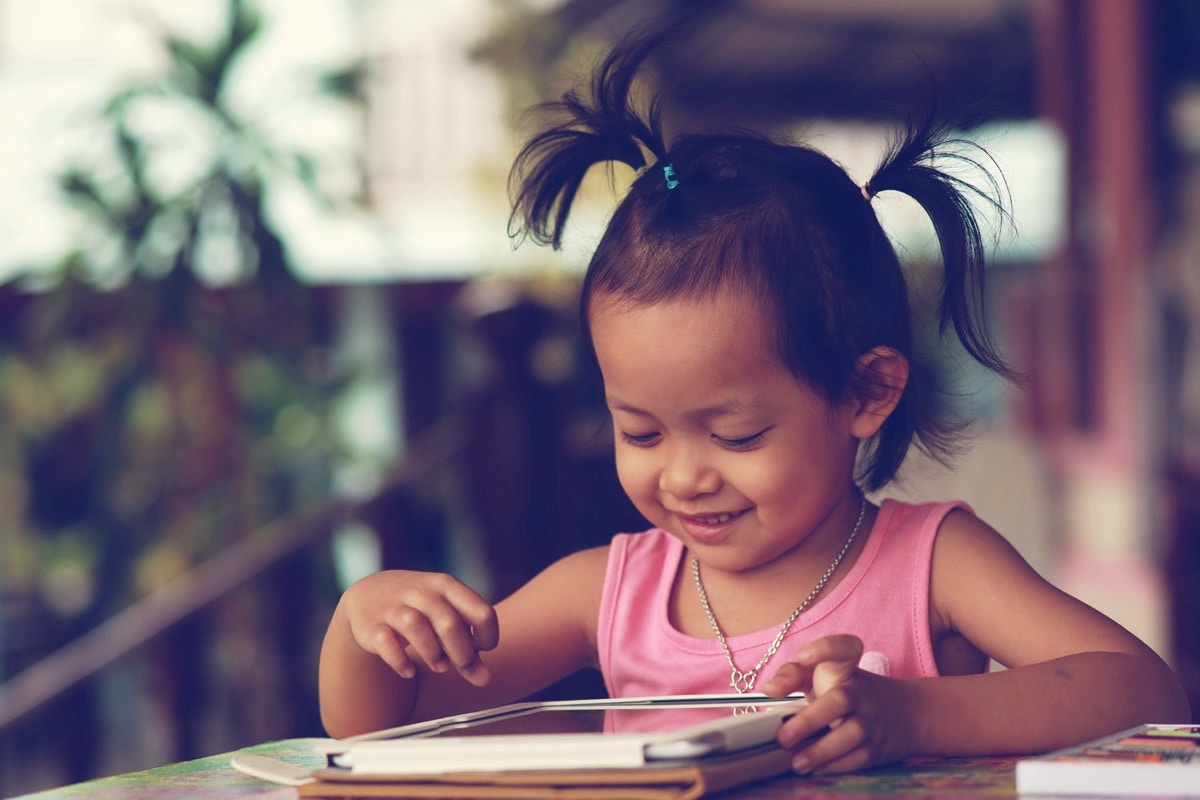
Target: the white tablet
(571, 734)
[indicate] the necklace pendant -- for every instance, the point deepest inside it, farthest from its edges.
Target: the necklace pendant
(742, 682)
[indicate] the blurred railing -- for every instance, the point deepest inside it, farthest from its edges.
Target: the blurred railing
(156, 614)
(225, 655)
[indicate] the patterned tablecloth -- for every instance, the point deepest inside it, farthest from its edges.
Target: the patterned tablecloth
(212, 777)
(204, 778)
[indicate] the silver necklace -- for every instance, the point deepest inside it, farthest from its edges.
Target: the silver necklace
(741, 681)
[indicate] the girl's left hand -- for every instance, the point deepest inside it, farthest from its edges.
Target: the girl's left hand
(854, 719)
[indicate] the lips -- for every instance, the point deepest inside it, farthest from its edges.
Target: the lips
(709, 526)
(717, 520)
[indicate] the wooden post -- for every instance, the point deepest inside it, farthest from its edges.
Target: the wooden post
(1094, 375)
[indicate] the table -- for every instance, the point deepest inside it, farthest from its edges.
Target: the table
(207, 778)
(212, 778)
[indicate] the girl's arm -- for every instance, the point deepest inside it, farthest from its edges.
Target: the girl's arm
(1073, 674)
(406, 646)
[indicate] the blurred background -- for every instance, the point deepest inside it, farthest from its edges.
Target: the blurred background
(262, 330)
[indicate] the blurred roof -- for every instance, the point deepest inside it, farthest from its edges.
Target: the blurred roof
(770, 60)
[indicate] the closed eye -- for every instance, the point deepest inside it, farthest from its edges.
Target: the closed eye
(640, 440)
(743, 443)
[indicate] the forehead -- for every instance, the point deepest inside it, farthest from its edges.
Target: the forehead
(719, 333)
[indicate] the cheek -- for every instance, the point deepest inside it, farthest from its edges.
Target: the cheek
(767, 482)
(777, 481)
(635, 472)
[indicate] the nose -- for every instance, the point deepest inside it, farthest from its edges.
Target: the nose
(686, 473)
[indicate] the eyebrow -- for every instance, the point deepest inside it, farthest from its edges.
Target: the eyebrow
(726, 408)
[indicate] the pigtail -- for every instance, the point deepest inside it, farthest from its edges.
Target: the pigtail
(606, 126)
(908, 167)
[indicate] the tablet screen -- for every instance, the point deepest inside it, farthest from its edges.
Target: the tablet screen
(553, 718)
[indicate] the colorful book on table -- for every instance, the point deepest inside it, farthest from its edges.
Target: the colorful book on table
(1150, 760)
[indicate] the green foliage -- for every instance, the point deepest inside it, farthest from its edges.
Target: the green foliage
(150, 412)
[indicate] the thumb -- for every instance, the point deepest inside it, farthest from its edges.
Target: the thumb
(833, 660)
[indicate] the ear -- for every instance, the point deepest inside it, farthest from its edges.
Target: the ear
(880, 375)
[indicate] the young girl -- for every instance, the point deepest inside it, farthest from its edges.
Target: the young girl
(751, 324)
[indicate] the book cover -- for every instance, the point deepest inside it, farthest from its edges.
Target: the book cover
(682, 781)
(1148, 760)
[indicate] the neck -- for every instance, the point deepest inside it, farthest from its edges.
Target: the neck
(751, 600)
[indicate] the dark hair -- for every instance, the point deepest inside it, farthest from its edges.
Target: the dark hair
(780, 220)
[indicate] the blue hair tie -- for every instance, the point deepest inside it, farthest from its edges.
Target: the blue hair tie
(669, 174)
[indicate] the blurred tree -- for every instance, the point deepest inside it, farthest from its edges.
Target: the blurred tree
(172, 390)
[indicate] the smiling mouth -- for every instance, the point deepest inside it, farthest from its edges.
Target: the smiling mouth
(716, 519)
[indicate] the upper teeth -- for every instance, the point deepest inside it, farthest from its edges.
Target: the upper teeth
(717, 520)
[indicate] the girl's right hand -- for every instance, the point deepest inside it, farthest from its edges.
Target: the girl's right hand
(402, 616)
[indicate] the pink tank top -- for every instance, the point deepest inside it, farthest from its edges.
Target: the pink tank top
(883, 599)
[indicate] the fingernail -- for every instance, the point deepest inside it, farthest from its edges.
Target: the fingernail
(479, 675)
(801, 765)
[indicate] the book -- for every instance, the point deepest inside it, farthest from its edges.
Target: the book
(1149, 760)
(683, 780)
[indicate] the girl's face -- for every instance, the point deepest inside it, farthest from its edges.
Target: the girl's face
(716, 441)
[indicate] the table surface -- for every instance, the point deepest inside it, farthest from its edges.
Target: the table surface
(212, 777)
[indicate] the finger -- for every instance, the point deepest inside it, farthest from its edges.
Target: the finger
(791, 677)
(819, 715)
(840, 750)
(854, 761)
(477, 612)
(839, 647)
(476, 673)
(442, 638)
(458, 643)
(834, 660)
(414, 626)
(384, 643)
